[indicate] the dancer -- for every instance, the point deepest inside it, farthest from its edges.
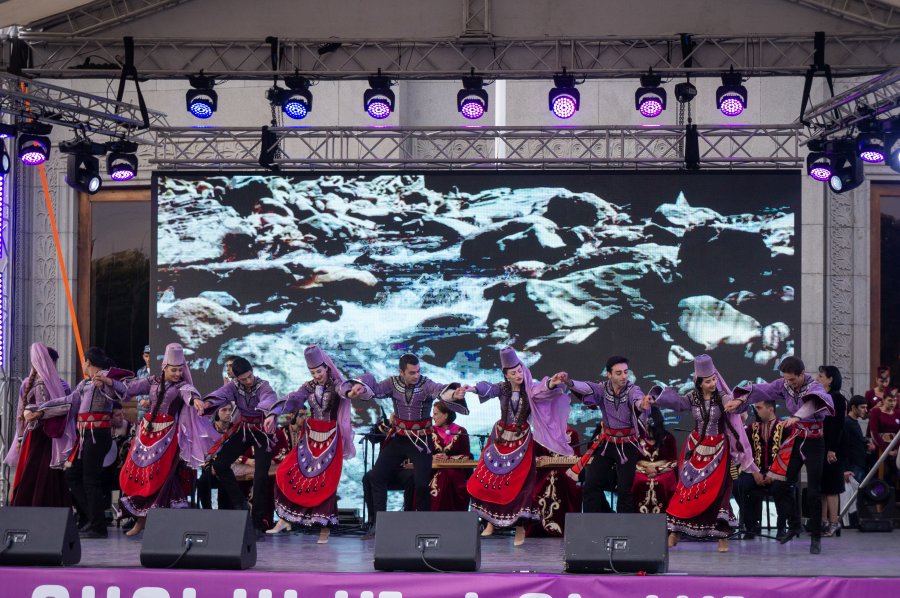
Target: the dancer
(171, 443)
(655, 475)
(620, 403)
(307, 480)
(409, 436)
(451, 442)
(85, 437)
(36, 484)
(701, 506)
(808, 403)
(502, 486)
(247, 392)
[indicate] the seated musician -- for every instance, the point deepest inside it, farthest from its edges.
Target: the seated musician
(451, 443)
(555, 493)
(655, 475)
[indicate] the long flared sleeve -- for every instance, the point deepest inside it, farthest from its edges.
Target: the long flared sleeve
(669, 398)
(444, 393)
(549, 416)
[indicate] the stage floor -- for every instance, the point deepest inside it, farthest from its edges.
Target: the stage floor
(854, 554)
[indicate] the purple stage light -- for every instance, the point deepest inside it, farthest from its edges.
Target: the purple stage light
(731, 105)
(295, 109)
(820, 172)
(122, 173)
(651, 107)
(564, 106)
(33, 157)
(378, 108)
(472, 109)
(872, 156)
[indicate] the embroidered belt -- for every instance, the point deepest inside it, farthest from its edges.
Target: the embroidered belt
(512, 432)
(618, 435)
(93, 421)
(811, 429)
(160, 423)
(405, 427)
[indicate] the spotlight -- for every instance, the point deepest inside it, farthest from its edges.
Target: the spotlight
(650, 98)
(121, 163)
(564, 99)
(378, 100)
(34, 144)
(202, 100)
(892, 149)
(472, 99)
(296, 100)
(869, 142)
(731, 96)
(82, 166)
(846, 167)
(818, 166)
(4, 159)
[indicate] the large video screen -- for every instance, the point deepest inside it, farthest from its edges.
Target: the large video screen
(569, 268)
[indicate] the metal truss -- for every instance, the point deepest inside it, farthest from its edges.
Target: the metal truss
(872, 13)
(101, 15)
(880, 95)
(430, 148)
(606, 57)
(54, 105)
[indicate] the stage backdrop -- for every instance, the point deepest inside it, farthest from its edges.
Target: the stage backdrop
(569, 268)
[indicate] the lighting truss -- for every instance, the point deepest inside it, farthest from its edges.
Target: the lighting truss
(495, 58)
(656, 147)
(74, 109)
(872, 13)
(100, 15)
(877, 96)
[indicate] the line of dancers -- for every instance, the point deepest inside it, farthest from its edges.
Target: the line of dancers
(64, 436)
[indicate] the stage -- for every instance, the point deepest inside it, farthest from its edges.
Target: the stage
(292, 566)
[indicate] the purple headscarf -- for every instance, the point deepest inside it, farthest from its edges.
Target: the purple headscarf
(46, 371)
(549, 412)
(316, 357)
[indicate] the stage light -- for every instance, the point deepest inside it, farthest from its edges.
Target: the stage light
(818, 166)
(564, 99)
(869, 142)
(296, 100)
(378, 100)
(33, 145)
(7, 131)
(892, 149)
(472, 99)
(268, 148)
(202, 100)
(691, 147)
(4, 159)
(731, 96)
(650, 98)
(82, 165)
(121, 163)
(846, 167)
(685, 92)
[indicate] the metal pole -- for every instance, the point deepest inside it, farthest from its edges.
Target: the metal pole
(894, 442)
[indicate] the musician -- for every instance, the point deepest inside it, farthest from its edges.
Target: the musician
(451, 443)
(555, 493)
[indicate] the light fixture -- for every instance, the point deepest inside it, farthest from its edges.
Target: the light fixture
(33, 144)
(650, 98)
(818, 166)
(564, 99)
(202, 100)
(296, 100)
(892, 147)
(846, 167)
(82, 165)
(4, 159)
(869, 142)
(122, 162)
(731, 96)
(691, 147)
(378, 100)
(472, 99)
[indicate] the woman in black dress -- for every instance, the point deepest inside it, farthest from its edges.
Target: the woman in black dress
(833, 471)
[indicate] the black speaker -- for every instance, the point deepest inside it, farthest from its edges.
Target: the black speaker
(44, 536)
(875, 506)
(616, 543)
(198, 539)
(427, 540)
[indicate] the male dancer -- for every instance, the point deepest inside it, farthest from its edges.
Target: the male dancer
(621, 403)
(247, 392)
(808, 403)
(410, 434)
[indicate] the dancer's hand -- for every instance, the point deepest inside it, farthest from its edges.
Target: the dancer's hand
(32, 415)
(733, 405)
(100, 380)
(201, 406)
(269, 424)
(460, 392)
(647, 402)
(356, 390)
(759, 478)
(559, 378)
(791, 422)
(831, 456)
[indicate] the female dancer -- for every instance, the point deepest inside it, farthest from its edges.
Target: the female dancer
(306, 481)
(701, 506)
(655, 479)
(502, 486)
(173, 440)
(36, 484)
(451, 442)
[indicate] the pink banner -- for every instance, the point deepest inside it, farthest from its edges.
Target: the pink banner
(154, 583)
